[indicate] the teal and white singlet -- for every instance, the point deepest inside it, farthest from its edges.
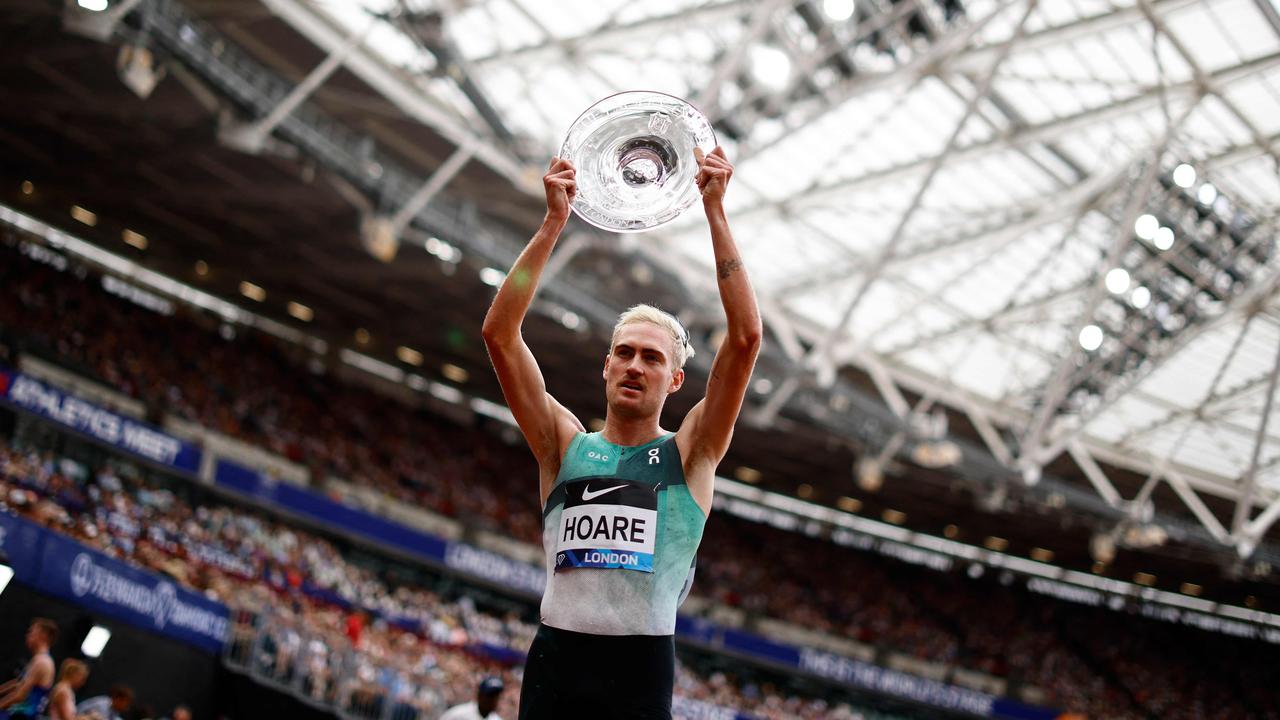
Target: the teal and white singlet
(621, 531)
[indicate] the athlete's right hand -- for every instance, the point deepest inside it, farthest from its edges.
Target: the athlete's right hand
(561, 188)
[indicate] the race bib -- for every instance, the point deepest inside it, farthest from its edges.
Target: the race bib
(607, 523)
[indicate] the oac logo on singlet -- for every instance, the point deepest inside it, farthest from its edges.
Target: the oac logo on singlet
(607, 523)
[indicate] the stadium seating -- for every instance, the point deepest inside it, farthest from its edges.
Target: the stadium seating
(257, 389)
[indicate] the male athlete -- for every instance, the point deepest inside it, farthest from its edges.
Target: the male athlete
(623, 509)
(26, 695)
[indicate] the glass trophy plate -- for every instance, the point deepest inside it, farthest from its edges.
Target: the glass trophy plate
(634, 157)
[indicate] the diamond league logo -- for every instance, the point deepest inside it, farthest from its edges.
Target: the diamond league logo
(82, 571)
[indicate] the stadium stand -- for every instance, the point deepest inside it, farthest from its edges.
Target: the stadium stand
(1087, 660)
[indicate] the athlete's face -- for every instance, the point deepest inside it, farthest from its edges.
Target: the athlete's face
(35, 638)
(638, 372)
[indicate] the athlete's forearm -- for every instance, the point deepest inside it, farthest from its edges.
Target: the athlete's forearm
(506, 314)
(736, 294)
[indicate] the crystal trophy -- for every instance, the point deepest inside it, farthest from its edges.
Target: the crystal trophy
(634, 157)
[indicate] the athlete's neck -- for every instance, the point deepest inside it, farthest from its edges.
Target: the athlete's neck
(630, 432)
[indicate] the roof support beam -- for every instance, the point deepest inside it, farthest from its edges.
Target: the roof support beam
(609, 33)
(824, 349)
(1211, 397)
(758, 25)
(250, 137)
(410, 99)
(1096, 477)
(1057, 387)
(1247, 303)
(1244, 505)
(1197, 506)
(1038, 133)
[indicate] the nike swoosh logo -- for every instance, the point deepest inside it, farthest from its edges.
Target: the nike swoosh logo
(588, 495)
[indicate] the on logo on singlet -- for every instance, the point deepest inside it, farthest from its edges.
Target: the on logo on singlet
(607, 523)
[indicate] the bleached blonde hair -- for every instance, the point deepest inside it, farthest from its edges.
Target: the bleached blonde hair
(682, 350)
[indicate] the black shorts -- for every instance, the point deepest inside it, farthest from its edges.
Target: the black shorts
(611, 677)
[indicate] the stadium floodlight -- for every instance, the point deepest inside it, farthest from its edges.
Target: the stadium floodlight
(1184, 176)
(1091, 337)
(838, 10)
(138, 70)
(770, 66)
(95, 641)
(95, 19)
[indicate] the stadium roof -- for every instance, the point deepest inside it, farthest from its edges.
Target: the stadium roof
(931, 196)
(940, 191)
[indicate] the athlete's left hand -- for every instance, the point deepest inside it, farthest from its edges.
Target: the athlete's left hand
(714, 171)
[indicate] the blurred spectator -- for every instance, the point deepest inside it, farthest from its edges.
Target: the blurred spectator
(62, 701)
(416, 647)
(112, 706)
(27, 695)
(483, 707)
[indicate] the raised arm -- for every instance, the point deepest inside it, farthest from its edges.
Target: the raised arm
(543, 421)
(708, 428)
(38, 667)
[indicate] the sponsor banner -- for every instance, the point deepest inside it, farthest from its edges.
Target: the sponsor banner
(63, 567)
(498, 569)
(136, 438)
(897, 683)
(331, 514)
(688, 709)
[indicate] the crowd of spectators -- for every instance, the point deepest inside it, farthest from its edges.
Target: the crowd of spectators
(304, 614)
(260, 390)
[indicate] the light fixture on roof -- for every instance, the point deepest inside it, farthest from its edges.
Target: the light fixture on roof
(251, 291)
(1163, 239)
(1140, 297)
(997, 544)
(28, 187)
(362, 336)
(770, 66)
(1146, 226)
(1117, 280)
(82, 215)
(747, 474)
(897, 517)
(1184, 176)
(202, 268)
(1102, 547)
(138, 70)
(1090, 337)
(1040, 554)
(454, 373)
(849, 504)
(804, 491)
(379, 237)
(870, 472)
(1207, 194)
(409, 355)
(134, 239)
(95, 641)
(93, 5)
(492, 277)
(838, 10)
(300, 311)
